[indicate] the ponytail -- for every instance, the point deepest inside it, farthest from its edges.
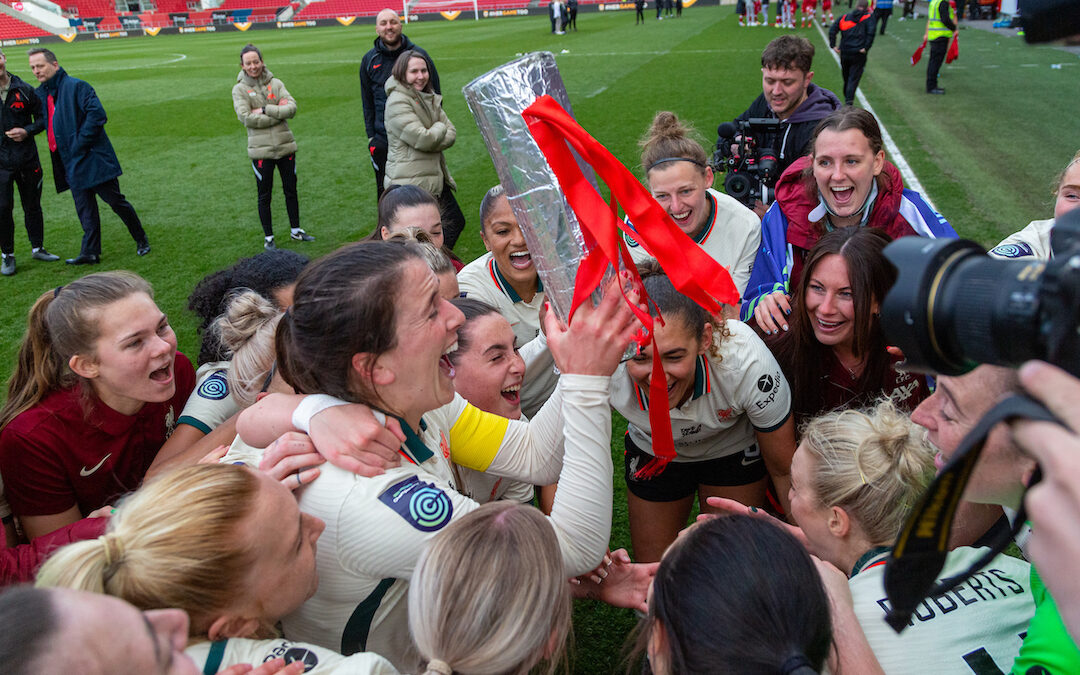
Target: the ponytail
(61, 324)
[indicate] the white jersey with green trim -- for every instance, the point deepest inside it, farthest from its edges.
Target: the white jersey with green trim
(975, 628)
(377, 527)
(731, 237)
(1031, 242)
(733, 396)
(211, 404)
(214, 657)
(481, 280)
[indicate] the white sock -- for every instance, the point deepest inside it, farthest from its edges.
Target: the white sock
(297, 230)
(270, 238)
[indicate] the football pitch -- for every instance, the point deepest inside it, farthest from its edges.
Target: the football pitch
(986, 152)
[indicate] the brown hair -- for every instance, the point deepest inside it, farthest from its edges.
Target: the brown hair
(249, 48)
(843, 119)
(670, 303)
(669, 139)
(789, 51)
(344, 304)
(62, 323)
(870, 276)
(401, 67)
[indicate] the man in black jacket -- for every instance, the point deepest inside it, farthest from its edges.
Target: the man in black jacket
(374, 72)
(21, 117)
(856, 29)
(788, 94)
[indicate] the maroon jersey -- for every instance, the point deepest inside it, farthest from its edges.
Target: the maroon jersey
(63, 453)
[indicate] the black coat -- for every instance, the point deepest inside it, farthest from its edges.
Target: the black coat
(375, 70)
(856, 30)
(21, 109)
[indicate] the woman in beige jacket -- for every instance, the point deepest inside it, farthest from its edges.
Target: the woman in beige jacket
(263, 104)
(418, 131)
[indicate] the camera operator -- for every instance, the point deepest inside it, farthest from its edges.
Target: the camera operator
(999, 477)
(788, 94)
(1034, 240)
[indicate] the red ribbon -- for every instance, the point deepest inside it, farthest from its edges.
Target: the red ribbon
(692, 271)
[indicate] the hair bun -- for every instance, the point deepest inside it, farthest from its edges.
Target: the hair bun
(244, 316)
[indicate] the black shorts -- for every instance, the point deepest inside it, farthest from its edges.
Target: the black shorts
(681, 479)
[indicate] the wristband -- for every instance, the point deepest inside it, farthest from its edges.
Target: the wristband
(310, 406)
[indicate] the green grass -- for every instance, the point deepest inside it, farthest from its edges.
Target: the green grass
(986, 152)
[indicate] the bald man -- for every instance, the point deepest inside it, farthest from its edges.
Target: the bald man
(390, 42)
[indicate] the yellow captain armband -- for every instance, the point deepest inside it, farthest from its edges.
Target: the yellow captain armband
(476, 437)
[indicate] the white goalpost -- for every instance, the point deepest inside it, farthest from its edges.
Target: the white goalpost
(408, 6)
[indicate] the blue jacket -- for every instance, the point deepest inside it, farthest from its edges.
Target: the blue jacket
(84, 156)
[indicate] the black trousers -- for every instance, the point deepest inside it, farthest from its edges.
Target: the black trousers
(938, 48)
(86, 207)
(28, 179)
(640, 15)
(378, 162)
(264, 180)
(881, 17)
(851, 66)
(453, 220)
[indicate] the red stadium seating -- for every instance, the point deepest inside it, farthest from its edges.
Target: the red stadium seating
(12, 28)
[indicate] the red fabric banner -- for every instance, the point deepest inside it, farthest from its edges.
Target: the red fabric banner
(692, 271)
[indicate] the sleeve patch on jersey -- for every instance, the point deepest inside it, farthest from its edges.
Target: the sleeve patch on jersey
(214, 387)
(422, 505)
(1020, 250)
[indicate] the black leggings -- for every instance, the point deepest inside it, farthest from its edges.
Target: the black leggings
(453, 220)
(264, 180)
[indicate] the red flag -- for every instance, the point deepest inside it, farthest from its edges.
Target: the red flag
(918, 53)
(692, 271)
(954, 48)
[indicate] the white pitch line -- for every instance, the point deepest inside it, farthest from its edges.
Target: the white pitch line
(179, 57)
(910, 180)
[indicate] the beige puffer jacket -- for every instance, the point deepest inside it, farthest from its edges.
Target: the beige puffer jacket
(417, 132)
(268, 133)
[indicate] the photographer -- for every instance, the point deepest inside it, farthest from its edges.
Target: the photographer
(789, 96)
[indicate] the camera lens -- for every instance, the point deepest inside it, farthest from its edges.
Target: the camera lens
(952, 307)
(737, 185)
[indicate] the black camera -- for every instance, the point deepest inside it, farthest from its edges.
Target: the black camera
(952, 307)
(751, 169)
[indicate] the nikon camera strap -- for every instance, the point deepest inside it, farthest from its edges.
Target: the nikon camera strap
(919, 554)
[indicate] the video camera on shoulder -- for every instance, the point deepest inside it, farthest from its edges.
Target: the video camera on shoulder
(752, 169)
(952, 308)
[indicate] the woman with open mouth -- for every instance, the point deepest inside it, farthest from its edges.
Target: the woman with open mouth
(730, 410)
(505, 278)
(845, 182)
(97, 389)
(835, 354)
(680, 179)
(368, 331)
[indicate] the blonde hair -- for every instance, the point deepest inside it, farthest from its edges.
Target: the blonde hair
(874, 464)
(172, 543)
(62, 323)
(420, 240)
(1060, 178)
(489, 594)
(247, 330)
(669, 139)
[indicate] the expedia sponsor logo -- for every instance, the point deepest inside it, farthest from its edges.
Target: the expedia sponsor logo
(505, 12)
(296, 24)
(198, 29)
